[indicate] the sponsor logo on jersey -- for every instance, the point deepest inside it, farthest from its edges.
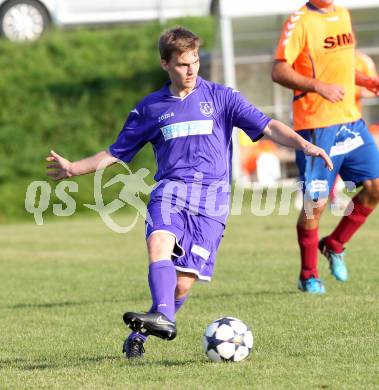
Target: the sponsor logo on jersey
(184, 129)
(339, 40)
(346, 141)
(206, 108)
(165, 116)
(333, 19)
(318, 186)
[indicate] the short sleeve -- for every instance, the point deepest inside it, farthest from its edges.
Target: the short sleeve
(133, 136)
(292, 40)
(247, 117)
(369, 68)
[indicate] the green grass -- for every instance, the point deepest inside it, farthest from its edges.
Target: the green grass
(64, 287)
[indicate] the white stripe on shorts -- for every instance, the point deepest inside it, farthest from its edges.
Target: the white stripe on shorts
(202, 278)
(200, 251)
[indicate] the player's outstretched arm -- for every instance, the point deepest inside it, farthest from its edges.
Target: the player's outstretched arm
(370, 83)
(61, 168)
(284, 135)
(283, 74)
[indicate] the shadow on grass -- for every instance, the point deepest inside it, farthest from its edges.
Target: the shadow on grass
(203, 297)
(46, 305)
(11, 362)
(38, 366)
(233, 294)
(162, 363)
(97, 359)
(288, 292)
(27, 365)
(49, 305)
(24, 364)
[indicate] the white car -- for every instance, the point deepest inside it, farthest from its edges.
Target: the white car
(22, 20)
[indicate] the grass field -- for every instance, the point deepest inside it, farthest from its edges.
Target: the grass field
(64, 287)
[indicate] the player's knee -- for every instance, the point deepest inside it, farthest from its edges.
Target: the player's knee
(374, 196)
(313, 210)
(317, 212)
(372, 190)
(182, 289)
(375, 191)
(183, 286)
(160, 246)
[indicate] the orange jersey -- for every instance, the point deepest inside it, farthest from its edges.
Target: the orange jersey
(366, 65)
(321, 46)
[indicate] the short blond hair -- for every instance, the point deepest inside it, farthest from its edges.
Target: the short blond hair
(177, 40)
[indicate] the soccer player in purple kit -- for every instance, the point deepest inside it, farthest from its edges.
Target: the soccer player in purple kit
(189, 123)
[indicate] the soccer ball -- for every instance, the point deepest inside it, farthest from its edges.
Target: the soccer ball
(228, 339)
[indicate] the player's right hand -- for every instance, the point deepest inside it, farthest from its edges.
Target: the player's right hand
(315, 151)
(372, 84)
(333, 93)
(60, 167)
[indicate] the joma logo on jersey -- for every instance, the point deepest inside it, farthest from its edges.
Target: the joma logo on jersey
(338, 40)
(165, 116)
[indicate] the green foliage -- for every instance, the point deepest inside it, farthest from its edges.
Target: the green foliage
(72, 91)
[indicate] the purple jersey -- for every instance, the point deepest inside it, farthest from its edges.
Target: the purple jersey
(191, 138)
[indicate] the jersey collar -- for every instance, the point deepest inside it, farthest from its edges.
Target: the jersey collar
(312, 7)
(166, 89)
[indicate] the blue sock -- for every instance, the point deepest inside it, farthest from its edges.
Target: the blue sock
(134, 335)
(162, 282)
(179, 302)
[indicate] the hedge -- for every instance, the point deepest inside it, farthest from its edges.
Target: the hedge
(71, 91)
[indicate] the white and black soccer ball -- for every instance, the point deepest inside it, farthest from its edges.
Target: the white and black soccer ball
(228, 339)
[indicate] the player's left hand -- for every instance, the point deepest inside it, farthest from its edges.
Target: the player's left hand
(372, 84)
(60, 168)
(313, 150)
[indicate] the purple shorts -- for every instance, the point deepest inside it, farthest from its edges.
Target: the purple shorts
(197, 238)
